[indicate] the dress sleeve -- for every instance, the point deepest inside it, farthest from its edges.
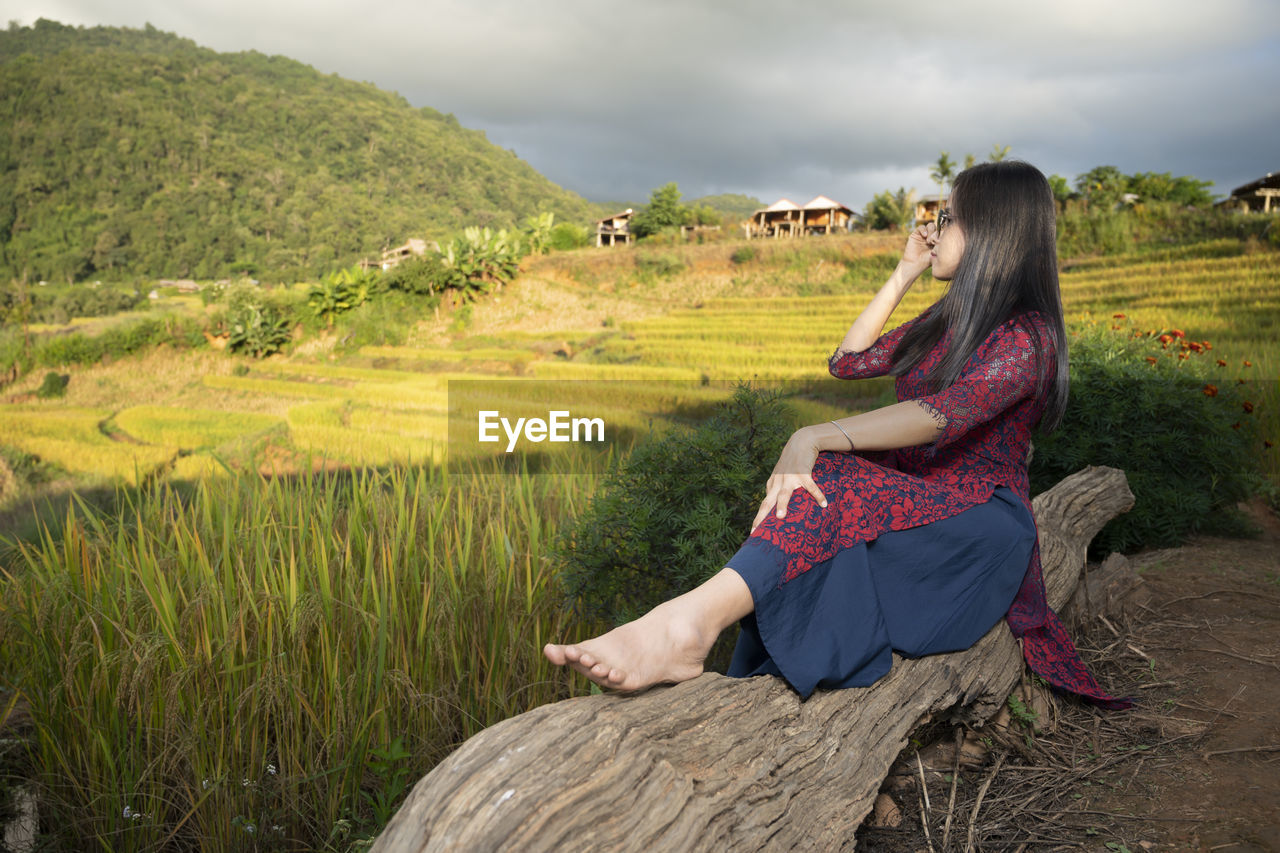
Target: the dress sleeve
(875, 360)
(1003, 374)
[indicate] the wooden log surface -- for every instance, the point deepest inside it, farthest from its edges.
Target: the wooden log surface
(721, 763)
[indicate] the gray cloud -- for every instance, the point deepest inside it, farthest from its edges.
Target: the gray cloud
(839, 97)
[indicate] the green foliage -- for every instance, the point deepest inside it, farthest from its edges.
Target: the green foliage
(536, 233)
(135, 152)
(257, 325)
(481, 260)
(729, 205)
(890, 210)
(340, 292)
(943, 172)
(1085, 229)
(54, 385)
(565, 236)
(663, 211)
(1154, 407)
(651, 266)
(420, 275)
(60, 303)
(652, 531)
(743, 255)
(1102, 186)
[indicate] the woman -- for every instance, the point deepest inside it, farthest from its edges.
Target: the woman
(915, 532)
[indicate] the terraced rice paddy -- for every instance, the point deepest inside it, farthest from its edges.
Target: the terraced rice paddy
(393, 403)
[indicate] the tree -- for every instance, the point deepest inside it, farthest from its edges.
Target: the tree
(970, 161)
(1185, 191)
(1061, 189)
(664, 210)
(890, 210)
(998, 153)
(1102, 185)
(944, 171)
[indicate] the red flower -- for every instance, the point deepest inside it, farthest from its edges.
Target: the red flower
(1114, 326)
(1221, 363)
(1211, 390)
(1181, 355)
(1164, 339)
(1117, 316)
(1151, 359)
(1236, 425)
(1248, 363)
(1268, 445)
(1248, 407)
(1206, 345)
(1195, 347)
(1178, 333)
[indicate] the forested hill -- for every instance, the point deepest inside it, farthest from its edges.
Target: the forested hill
(136, 152)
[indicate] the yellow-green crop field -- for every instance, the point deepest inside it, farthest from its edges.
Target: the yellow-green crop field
(391, 403)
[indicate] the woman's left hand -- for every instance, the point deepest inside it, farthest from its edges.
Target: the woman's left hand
(793, 471)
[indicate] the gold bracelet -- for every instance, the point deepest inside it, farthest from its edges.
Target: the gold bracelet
(846, 435)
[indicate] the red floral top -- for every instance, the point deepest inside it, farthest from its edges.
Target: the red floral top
(985, 419)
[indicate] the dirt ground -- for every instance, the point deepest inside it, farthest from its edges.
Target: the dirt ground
(1195, 766)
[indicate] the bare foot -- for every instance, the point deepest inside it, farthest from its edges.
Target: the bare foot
(664, 645)
(667, 644)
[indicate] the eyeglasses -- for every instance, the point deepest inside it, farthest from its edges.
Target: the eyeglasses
(944, 219)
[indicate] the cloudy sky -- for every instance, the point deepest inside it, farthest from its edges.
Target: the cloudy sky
(787, 97)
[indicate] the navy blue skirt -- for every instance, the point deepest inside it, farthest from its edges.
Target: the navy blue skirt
(938, 587)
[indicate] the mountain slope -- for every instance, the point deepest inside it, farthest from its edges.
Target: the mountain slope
(135, 152)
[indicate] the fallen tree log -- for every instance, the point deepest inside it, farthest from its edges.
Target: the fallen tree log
(720, 763)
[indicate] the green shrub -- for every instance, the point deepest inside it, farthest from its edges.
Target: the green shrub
(566, 236)
(423, 275)
(54, 385)
(653, 531)
(1153, 407)
(743, 255)
(341, 291)
(658, 266)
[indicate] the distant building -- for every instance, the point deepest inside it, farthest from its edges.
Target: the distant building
(614, 229)
(1262, 195)
(927, 207)
(785, 218)
(391, 257)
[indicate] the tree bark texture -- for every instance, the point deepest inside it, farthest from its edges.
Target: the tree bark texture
(721, 763)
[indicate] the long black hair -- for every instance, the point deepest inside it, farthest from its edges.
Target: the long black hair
(1009, 266)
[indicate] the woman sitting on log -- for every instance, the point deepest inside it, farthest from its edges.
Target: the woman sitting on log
(915, 531)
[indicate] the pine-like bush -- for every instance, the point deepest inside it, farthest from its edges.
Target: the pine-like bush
(1154, 405)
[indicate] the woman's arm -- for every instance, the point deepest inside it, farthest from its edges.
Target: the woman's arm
(900, 425)
(915, 260)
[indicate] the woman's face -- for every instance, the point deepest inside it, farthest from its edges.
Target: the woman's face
(947, 250)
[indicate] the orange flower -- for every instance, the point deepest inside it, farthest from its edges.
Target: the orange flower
(1151, 359)
(1248, 363)
(1117, 316)
(1236, 425)
(1164, 339)
(1206, 345)
(1248, 407)
(1181, 356)
(1195, 347)
(1114, 326)
(1221, 363)
(1211, 390)
(1268, 445)
(1178, 333)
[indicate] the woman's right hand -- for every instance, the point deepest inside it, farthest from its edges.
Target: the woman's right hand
(919, 245)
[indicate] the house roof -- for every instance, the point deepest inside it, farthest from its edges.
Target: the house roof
(1270, 180)
(781, 204)
(622, 215)
(823, 203)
